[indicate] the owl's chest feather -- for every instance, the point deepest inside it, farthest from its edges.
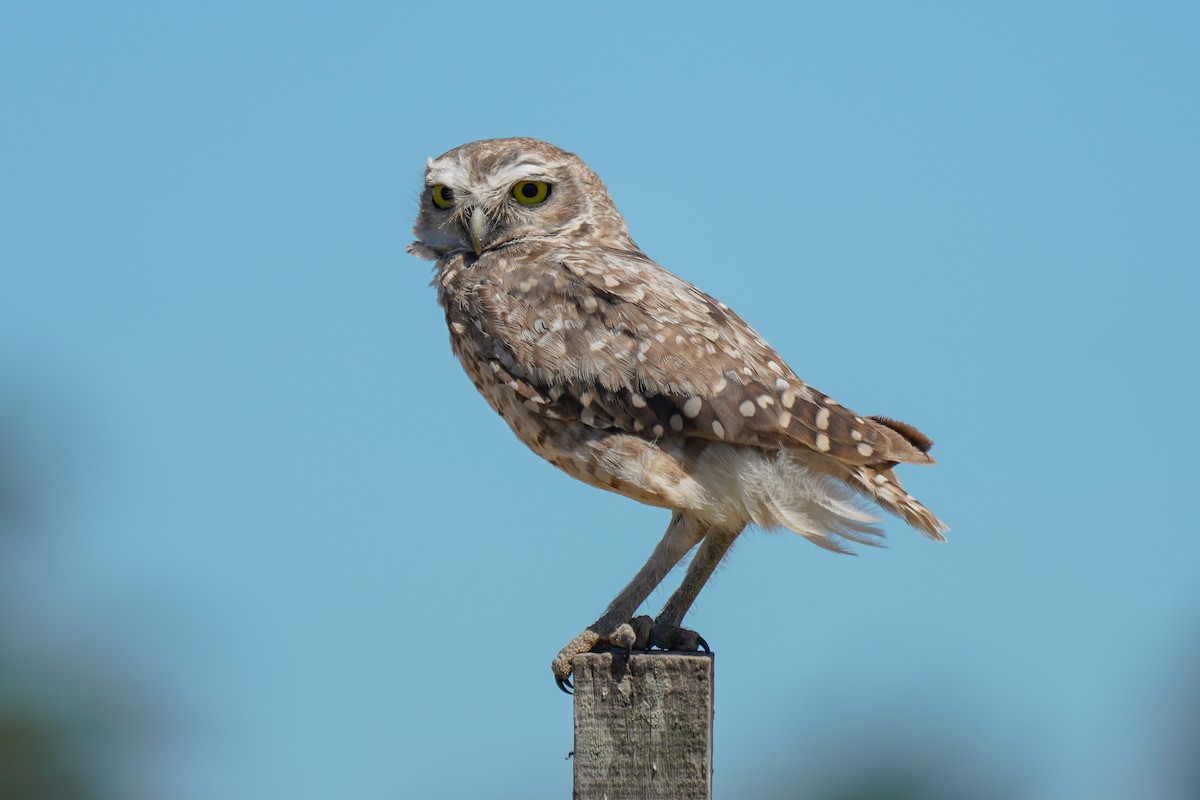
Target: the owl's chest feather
(463, 288)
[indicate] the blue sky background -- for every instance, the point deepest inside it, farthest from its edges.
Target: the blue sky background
(266, 541)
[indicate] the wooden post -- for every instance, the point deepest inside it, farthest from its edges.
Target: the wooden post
(643, 726)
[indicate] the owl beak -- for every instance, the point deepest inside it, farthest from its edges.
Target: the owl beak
(477, 229)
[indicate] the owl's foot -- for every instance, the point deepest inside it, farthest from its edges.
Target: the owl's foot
(628, 636)
(656, 633)
(667, 636)
(640, 633)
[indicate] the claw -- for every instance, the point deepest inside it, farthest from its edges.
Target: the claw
(563, 663)
(703, 645)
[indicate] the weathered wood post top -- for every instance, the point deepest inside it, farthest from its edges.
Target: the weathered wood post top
(643, 726)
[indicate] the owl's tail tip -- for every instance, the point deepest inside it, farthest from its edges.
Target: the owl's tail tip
(882, 486)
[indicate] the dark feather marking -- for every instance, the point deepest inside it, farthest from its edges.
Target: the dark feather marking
(911, 434)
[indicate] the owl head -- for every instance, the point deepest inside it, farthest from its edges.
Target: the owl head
(488, 194)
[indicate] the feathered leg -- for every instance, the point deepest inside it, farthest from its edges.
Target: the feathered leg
(613, 626)
(667, 632)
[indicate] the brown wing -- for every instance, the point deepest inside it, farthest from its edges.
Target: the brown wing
(611, 339)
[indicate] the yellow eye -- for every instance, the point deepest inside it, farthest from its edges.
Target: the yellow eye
(443, 196)
(531, 193)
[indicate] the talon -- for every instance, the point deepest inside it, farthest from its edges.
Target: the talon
(703, 645)
(622, 638)
(563, 663)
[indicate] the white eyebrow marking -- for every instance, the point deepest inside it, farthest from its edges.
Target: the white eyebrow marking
(490, 187)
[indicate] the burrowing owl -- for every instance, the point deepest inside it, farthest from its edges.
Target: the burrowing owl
(631, 379)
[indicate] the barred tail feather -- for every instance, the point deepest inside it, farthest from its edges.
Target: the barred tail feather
(882, 486)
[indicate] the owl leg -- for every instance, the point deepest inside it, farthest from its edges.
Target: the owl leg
(614, 626)
(667, 632)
